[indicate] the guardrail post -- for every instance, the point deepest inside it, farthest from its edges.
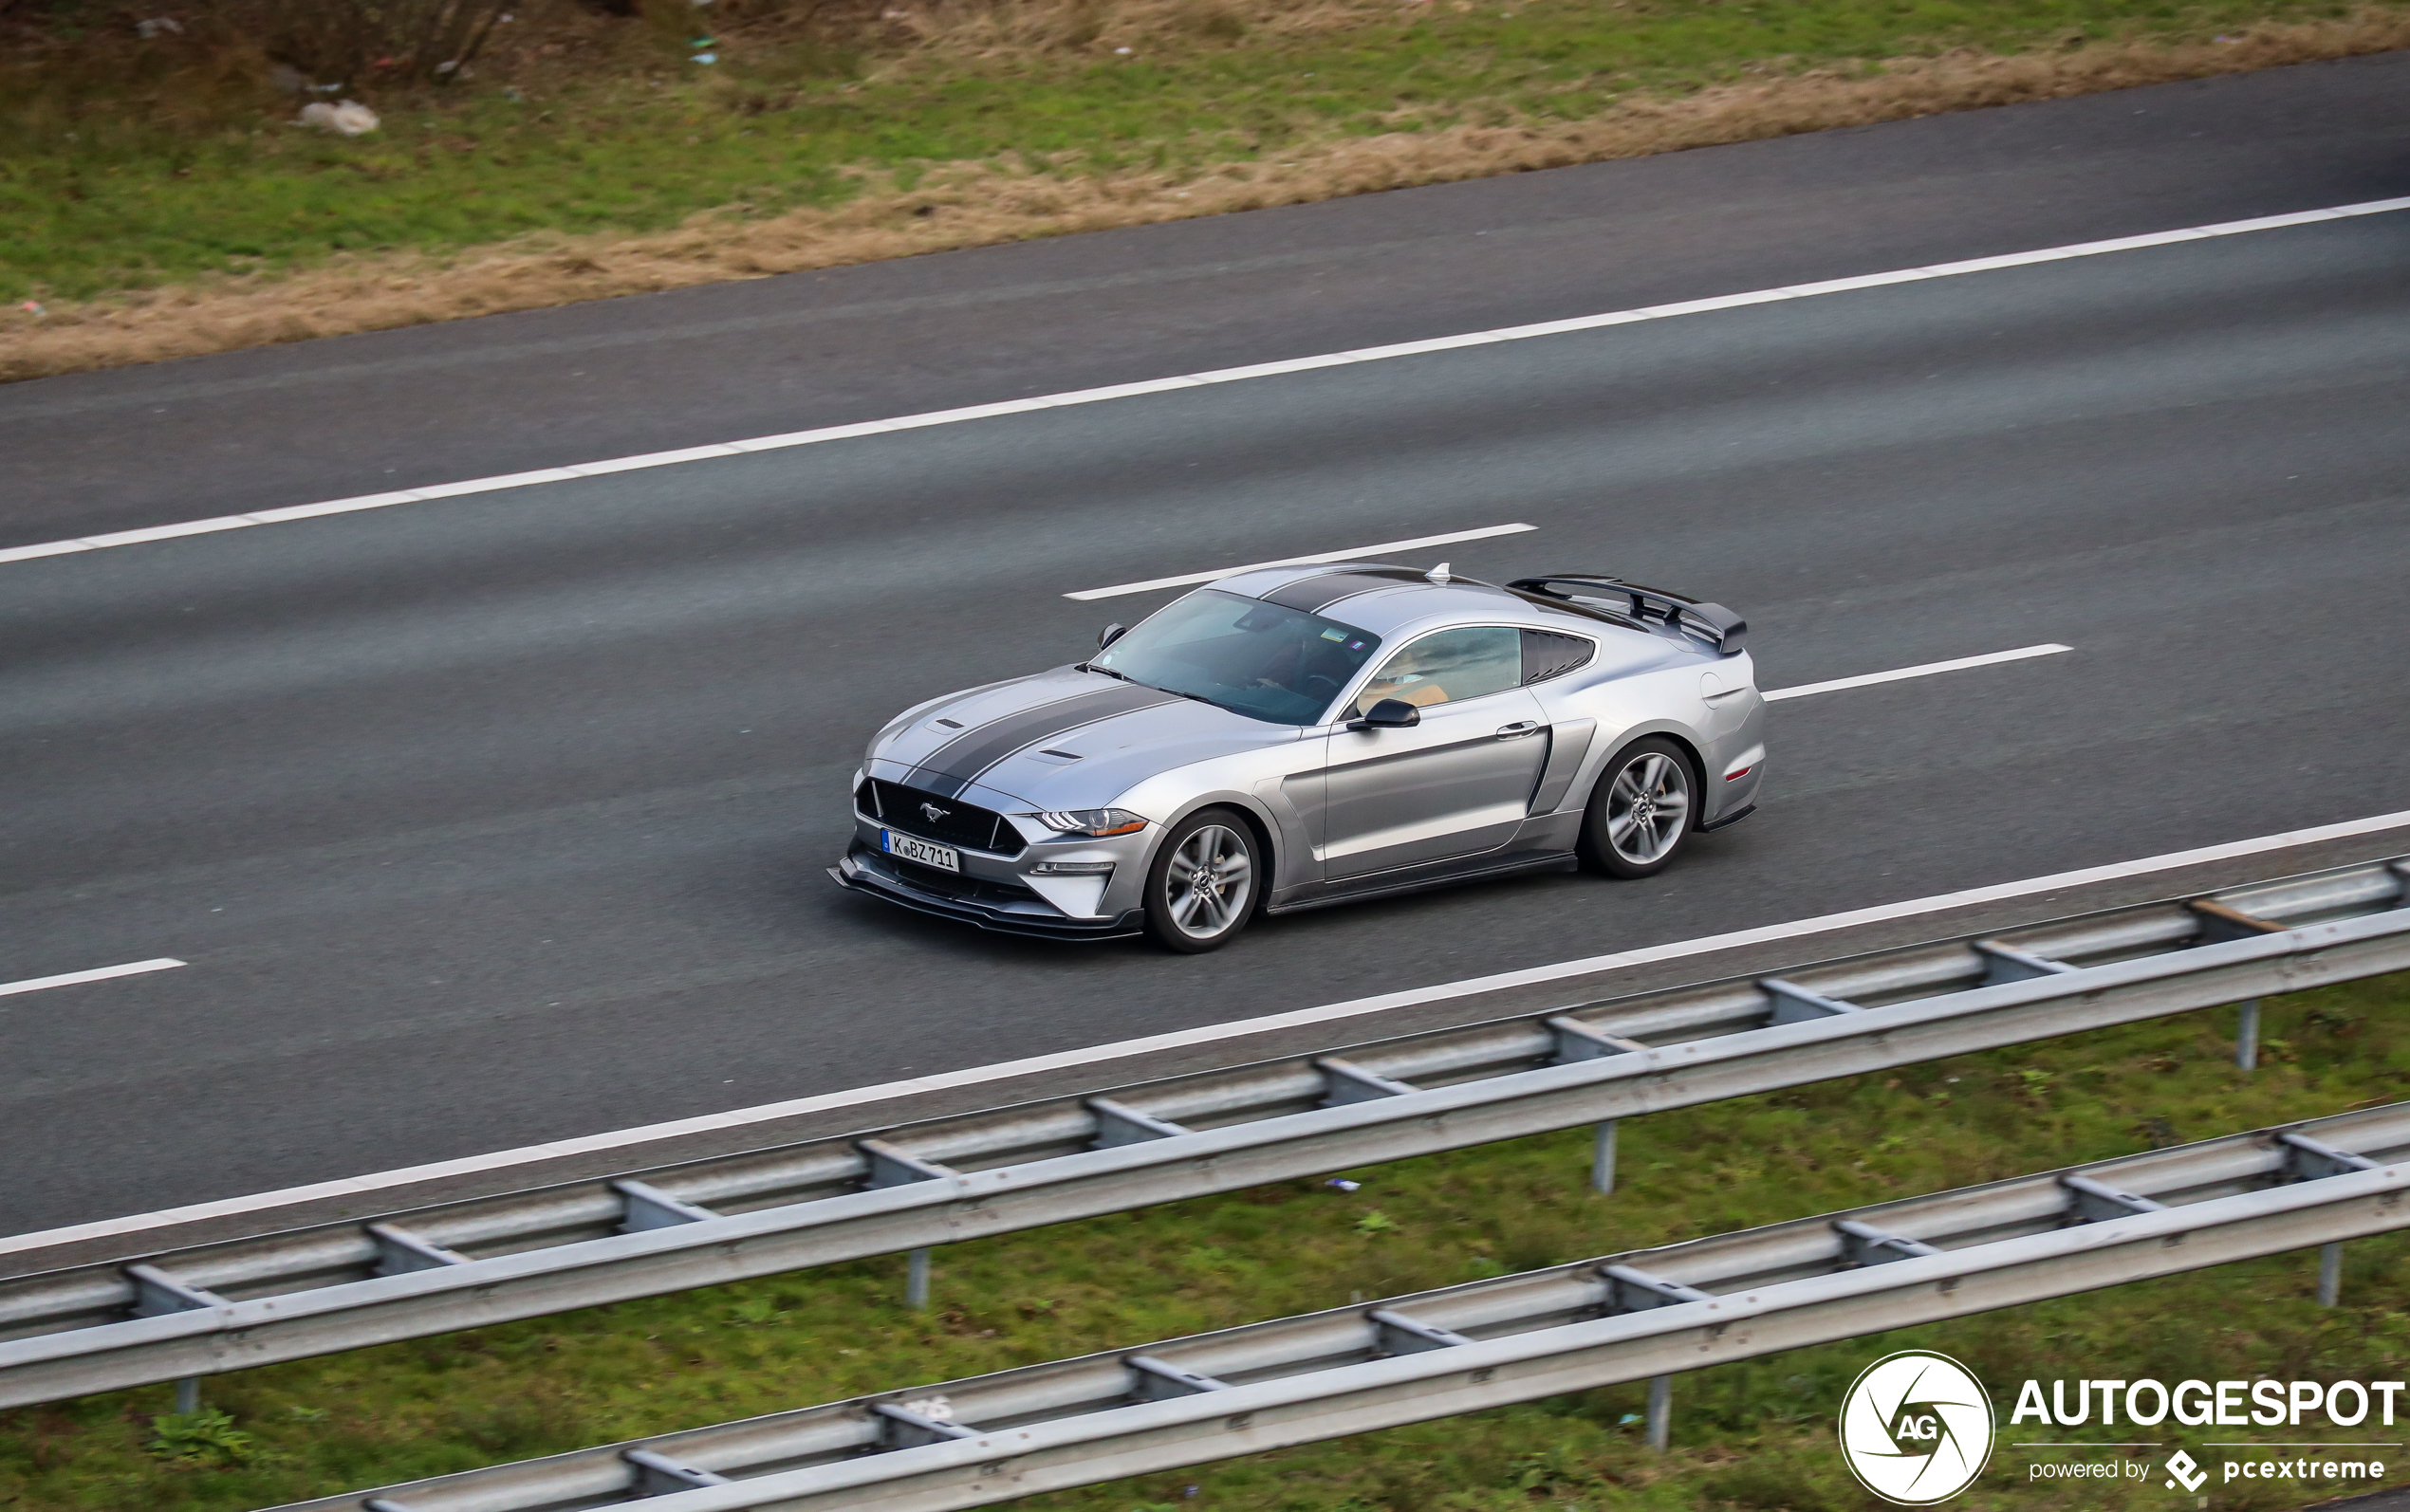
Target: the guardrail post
(660, 1475)
(1395, 1333)
(643, 1207)
(2215, 923)
(892, 1167)
(1152, 1381)
(1630, 1289)
(158, 1294)
(2003, 961)
(2313, 1159)
(1344, 1082)
(2097, 1202)
(1793, 1003)
(1576, 1041)
(1120, 1124)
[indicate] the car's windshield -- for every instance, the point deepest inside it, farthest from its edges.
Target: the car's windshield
(1250, 656)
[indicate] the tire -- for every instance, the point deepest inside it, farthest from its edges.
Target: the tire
(1642, 811)
(1204, 882)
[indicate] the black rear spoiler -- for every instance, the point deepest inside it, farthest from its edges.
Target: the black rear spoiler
(1711, 622)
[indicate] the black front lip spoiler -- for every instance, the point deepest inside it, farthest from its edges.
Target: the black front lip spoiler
(851, 874)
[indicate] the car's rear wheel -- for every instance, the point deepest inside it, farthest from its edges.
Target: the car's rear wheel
(1642, 810)
(1200, 889)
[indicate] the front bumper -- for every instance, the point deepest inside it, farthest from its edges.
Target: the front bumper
(970, 903)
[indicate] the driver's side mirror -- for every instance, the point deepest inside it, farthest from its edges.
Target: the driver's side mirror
(1110, 634)
(1390, 713)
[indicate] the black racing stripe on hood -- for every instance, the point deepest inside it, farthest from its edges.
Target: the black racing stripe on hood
(1316, 594)
(956, 764)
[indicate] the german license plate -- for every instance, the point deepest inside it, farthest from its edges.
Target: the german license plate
(943, 858)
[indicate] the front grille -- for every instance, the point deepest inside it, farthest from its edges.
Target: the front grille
(957, 823)
(950, 884)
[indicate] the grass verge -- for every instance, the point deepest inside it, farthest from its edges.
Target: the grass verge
(1753, 1436)
(175, 212)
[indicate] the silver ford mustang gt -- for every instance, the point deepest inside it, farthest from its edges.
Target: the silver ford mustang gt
(1297, 736)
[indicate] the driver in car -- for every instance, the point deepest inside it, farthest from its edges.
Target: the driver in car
(1408, 677)
(1305, 663)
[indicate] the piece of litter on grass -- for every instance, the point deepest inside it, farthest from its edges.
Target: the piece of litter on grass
(350, 119)
(1122, 52)
(1627, 1420)
(1342, 1184)
(170, 27)
(33, 307)
(704, 57)
(513, 94)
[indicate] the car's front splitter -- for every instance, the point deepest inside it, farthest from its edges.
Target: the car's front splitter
(862, 871)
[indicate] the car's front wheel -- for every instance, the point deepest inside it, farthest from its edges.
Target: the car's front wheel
(1642, 811)
(1200, 889)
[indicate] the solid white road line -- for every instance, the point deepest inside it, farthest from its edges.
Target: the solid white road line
(1228, 375)
(68, 979)
(1775, 695)
(1350, 553)
(1091, 1055)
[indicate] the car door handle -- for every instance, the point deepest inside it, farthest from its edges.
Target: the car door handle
(1518, 729)
(1728, 693)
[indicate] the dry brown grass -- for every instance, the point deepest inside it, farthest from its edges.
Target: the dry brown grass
(970, 205)
(950, 31)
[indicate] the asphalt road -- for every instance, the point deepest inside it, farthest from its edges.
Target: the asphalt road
(502, 819)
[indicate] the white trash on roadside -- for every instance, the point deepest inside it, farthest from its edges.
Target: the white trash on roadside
(351, 117)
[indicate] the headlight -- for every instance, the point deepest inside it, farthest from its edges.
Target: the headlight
(1094, 821)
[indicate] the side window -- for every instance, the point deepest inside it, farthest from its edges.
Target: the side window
(1447, 666)
(1548, 654)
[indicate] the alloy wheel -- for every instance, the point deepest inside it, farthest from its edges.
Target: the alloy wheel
(1648, 808)
(1208, 885)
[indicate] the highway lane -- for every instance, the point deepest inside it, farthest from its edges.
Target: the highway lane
(501, 818)
(285, 425)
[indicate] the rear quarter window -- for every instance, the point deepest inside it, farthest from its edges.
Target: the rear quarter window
(1549, 654)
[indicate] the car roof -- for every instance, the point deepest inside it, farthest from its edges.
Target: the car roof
(1385, 599)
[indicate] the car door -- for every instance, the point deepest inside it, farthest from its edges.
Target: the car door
(1455, 784)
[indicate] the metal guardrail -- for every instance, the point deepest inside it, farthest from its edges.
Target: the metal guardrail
(340, 1286)
(1618, 1317)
